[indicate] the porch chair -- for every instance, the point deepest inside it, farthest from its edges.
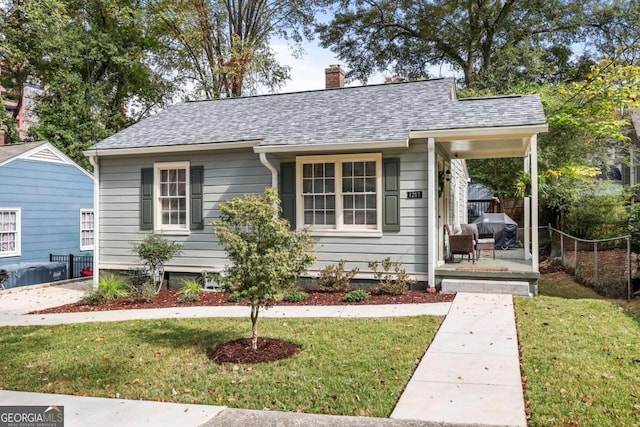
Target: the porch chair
(463, 244)
(486, 242)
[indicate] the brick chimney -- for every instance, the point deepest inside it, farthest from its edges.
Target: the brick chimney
(334, 77)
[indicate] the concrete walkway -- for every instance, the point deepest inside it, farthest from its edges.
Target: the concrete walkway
(469, 375)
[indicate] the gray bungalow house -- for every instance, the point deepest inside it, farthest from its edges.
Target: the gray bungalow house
(374, 171)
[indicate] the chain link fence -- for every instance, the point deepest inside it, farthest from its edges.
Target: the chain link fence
(604, 265)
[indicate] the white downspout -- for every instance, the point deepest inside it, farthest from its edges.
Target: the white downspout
(96, 218)
(272, 168)
(432, 215)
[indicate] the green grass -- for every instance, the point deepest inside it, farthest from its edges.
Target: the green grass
(581, 356)
(347, 366)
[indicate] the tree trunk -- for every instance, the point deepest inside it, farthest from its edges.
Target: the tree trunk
(254, 327)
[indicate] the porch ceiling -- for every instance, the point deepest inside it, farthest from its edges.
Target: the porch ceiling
(483, 143)
(485, 148)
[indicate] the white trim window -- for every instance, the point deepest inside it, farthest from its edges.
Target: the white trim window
(172, 196)
(87, 229)
(10, 232)
(340, 194)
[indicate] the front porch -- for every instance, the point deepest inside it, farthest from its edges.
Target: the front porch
(508, 273)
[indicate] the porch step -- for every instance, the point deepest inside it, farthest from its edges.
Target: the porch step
(452, 286)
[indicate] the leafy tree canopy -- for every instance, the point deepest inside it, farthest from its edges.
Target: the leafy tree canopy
(221, 48)
(472, 37)
(93, 57)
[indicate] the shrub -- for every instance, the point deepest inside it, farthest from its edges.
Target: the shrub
(634, 226)
(139, 286)
(391, 283)
(296, 296)
(112, 287)
(335, 279)
(93, 297)
(109, 288)
(154, 252)
(267, 257)
(597, 216)
(356, 296)
(191, 291)
(235, 297)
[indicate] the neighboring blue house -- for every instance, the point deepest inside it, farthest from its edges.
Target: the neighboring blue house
(46, 204)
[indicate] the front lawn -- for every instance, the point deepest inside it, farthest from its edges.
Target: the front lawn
(580, 356)
(346, 367)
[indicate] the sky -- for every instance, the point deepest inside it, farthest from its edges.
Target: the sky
(307, 72)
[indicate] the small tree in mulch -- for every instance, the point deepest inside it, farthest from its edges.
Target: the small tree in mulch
(267, 257)
(154, 251)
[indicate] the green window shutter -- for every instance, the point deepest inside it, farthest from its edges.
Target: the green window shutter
(391, 195)
(197, 207)
(287, 192)
(146, 199)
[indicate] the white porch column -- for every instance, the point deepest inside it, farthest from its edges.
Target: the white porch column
(95, 162)
(432, 213)
(533, 148)
(527, 209)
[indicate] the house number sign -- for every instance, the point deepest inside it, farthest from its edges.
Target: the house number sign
(414, 194)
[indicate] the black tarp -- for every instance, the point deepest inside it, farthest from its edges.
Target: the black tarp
(504, 228)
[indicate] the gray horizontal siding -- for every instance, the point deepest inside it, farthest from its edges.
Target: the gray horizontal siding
(226, 175)
(409, 245)
(234, 174)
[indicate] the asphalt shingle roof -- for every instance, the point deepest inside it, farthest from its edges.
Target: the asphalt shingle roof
(10, 151)
(354, 114)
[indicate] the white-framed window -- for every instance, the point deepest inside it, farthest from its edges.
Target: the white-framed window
(10, 232)
(340, 193)
(87, 227)
(171, 197)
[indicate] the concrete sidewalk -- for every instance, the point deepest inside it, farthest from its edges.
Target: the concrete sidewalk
(101, 412)
(470, 374)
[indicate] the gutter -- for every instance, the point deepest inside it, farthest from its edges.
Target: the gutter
(175, 148)
(480, 132)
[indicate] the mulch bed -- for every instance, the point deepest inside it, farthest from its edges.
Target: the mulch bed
(239, 351)
(169, 298)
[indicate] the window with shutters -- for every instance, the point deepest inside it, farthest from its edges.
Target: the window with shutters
(172, 196)
(340, 194)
